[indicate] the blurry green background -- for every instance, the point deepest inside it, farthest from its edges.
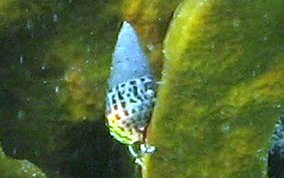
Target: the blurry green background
(222, 90)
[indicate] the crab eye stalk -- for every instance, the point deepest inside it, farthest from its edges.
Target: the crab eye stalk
(131, 93)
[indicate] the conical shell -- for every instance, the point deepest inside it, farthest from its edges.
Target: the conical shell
(128, 60)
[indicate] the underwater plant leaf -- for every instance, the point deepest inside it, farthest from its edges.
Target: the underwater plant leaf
(12, 168)
(222, 90)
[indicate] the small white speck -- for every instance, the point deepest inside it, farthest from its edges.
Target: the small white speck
(212, 46)
(15, 151)
(145, 148)
(44, 81)
(29, 25)
(225, 128)
(20, 114)
(56, 90)
(88, 49)
(265, 38)
(150, 47)
(236, 23)
(253, 73)
(55, 18)
(42, 67)
(21, 60)
(265, 15)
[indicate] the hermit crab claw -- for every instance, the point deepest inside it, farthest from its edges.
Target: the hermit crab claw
(128, 60)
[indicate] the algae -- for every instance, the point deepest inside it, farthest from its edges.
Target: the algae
(11, 168)
(55, 59)
(222, 90)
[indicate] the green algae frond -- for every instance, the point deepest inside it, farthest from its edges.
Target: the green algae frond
(12, 168)
(222, 90)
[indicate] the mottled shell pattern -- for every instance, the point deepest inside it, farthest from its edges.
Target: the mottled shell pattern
(128, 109)
(131, 95)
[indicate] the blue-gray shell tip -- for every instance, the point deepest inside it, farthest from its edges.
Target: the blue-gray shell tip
(128, 60)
